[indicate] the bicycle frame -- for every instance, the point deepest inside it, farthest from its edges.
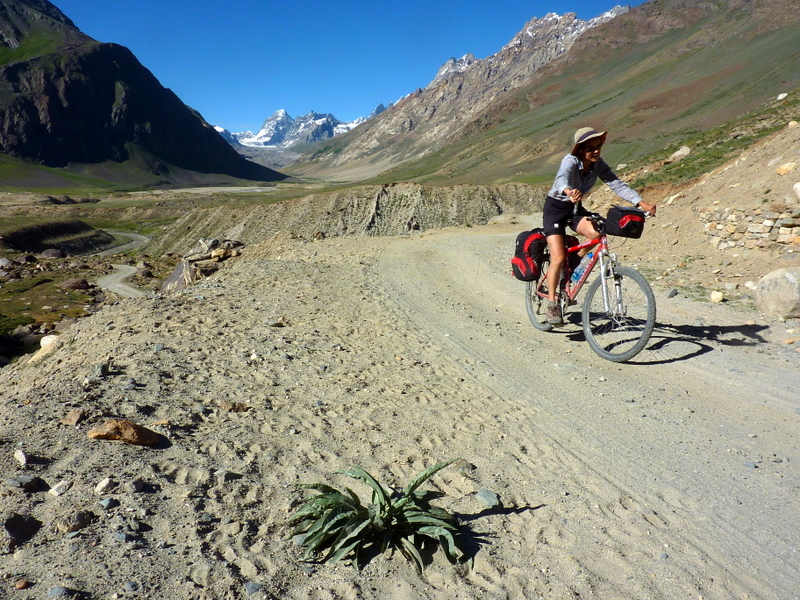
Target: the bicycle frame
(570, 288)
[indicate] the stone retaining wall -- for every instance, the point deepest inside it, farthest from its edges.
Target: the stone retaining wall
(761, 228)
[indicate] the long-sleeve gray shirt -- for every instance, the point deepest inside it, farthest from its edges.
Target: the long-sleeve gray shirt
(569, 176)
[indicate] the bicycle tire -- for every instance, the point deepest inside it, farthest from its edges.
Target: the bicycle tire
(614, 336)
(535, 304)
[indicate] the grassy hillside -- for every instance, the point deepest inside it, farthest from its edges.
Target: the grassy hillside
(136, 173)
(713, 147)
(44, 42)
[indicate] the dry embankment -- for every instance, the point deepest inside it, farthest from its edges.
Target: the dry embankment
(367, 210)
(71, 236)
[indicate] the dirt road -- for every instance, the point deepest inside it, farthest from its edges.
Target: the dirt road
(137, 240)
(670, 478)
(116, 282)
(698, 437)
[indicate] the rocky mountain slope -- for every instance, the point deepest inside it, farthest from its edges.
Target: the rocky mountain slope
(20, 21)
(418, 124)
(652, 75)
(65, 98)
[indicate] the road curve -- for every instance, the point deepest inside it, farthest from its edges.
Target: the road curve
(115, 282)
(137, 241)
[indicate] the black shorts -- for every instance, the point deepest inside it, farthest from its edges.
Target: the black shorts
(558, 214)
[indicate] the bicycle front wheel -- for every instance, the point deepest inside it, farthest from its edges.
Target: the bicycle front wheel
(535, 304)
(619, 326)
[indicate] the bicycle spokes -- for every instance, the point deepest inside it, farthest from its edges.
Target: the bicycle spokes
(619, 315)
(535, 302)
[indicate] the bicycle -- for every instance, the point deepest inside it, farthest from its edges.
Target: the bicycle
(619, 311)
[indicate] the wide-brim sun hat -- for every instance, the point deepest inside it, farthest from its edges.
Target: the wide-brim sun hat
(584, 134)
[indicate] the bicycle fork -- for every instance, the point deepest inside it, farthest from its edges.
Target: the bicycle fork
(607, 262)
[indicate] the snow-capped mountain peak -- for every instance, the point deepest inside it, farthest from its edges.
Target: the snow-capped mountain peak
(454, 66)
(541, 40)
(272, 132)
(282, 131)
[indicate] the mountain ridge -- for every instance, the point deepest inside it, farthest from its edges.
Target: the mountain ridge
(66, 98)
(652, 74)
(464, 87)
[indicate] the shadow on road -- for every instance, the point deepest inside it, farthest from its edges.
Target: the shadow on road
(471, 540)
(674, 343)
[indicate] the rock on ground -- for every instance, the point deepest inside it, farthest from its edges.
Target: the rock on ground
(778, 293)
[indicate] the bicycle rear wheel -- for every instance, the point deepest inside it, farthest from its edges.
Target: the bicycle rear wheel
(621, 332)
(535, 304)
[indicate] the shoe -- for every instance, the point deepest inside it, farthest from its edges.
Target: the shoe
(553, 313)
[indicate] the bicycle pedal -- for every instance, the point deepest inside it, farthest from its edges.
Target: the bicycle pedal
(572, 303)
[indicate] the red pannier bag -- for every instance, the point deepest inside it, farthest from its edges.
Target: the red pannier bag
(528, 252)
(625, 221)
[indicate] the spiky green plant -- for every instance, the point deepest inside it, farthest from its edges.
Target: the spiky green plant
(337, 526)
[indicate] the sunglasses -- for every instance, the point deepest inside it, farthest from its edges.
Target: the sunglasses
(592, 147)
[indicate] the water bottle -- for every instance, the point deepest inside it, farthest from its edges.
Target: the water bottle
(578, 272)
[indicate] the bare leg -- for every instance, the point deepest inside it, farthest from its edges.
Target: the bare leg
(586, 229)
(555, 244)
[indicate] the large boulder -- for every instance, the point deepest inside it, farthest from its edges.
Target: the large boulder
(52, 253)
(200, 262)
(778, 293)
(181, 277)
(76, 283)
(679, 154)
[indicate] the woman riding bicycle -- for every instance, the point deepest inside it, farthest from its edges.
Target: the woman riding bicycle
(576, 176)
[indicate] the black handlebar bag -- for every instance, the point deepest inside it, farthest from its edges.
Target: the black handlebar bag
(625, 221)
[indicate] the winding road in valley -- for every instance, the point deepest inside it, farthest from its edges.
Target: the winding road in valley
(115, 282)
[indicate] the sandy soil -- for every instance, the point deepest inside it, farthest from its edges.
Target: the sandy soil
(670, 478)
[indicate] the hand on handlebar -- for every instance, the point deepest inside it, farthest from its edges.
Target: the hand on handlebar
(573, 194)
(648, 208)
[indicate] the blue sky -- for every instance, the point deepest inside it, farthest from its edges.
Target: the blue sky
(238, 61)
